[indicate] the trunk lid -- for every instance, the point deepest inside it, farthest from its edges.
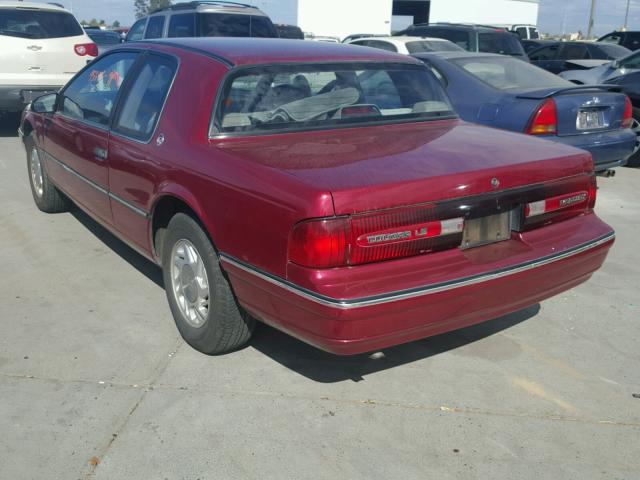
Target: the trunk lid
(381, 167)
(584, 109)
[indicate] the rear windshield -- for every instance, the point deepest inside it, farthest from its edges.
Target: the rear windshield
(38, 24)
(236, 25)
(280, 98)
(503, 43)
(104, 38)
(506, 73)
(432, 46)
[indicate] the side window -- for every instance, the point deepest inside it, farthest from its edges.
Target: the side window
(382, 45)
(632, 41)
(143, 102)
(262, 27)
(137, 31)
(614, 38)
(182, 25)
(573, 52)
(533, 33)
(632, 61)
(546, 53)
(155, 28)
(522, 32)
(92, 95)
(459, 37)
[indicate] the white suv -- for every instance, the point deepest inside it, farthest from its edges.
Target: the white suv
(42, 47)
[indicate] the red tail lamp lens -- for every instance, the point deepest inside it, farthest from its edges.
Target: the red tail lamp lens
(86, 49)
(627, 118)
(320, 243)
(545, 120)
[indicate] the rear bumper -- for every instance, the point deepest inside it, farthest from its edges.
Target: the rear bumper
(608, 149)
(501, 285)
(13, 98)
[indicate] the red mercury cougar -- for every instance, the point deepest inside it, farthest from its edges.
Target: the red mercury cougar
(327, 190)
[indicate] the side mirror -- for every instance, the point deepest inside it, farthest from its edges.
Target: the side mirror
(45, 103)
(615, 64)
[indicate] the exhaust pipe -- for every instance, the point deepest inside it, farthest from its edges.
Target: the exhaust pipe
(607, 173)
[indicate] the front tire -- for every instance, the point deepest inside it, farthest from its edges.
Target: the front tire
(201, 300)
(634, 160)
(45, 195)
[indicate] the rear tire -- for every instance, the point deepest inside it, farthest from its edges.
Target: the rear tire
(201, 300)
(45, 194)
(634, 160)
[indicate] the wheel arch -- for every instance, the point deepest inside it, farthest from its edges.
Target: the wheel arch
(170, 201)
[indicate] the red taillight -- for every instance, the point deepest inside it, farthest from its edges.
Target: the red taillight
(320, 243)
(86, 49)
(375, 237)
(554, 204)
(545, 120)
(593, 192)
(627, 117)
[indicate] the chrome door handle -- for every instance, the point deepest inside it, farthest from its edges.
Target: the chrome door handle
(100, 154)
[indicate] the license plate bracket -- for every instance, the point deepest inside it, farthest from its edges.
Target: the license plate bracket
(486, 230)
(590, 119)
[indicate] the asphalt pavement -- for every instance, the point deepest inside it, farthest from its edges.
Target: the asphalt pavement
(95, 381)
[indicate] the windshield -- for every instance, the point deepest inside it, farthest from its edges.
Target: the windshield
(432, 46)
(614, 51)
(506, 73)
(38, 24)
(235, 25)
(500, 42)
(325, 96)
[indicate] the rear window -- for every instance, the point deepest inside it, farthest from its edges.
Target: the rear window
(234, 25)
(459, 37)
(431, 46)
(38, 24)
(506, 73)
(278, 98)
(503, 43)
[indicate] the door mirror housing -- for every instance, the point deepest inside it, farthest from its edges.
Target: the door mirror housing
(615, 64)
(45, 103)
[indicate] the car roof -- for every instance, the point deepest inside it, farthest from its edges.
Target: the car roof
(466, 26)
(401, 40)
(261, 51)
(32, 5)
(210, 6)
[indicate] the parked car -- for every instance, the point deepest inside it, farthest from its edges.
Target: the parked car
(357, 36)
(503, 92)
(473, 38)
(628, 39)
(524, 31)
(321, 38)
(290, 31)
(625, 74)
(327, 190)
(42, 47)
(530, 45)
(408, 45)
(554, 57)
(204, 19)
(104, 39)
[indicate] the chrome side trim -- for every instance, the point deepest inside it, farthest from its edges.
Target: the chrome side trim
(102, 190)
(395, 296)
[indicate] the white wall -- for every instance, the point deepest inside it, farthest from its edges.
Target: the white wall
(484, 11)
(280, 11)
(339, 18)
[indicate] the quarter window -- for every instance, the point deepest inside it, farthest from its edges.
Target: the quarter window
(92, 96)
(142, 105)
(137, 31)
(155, 28)
(182, 25)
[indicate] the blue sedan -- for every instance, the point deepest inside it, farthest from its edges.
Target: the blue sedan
(503, 92)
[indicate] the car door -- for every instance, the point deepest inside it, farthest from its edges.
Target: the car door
(545, 57)
(76, 136)
(133, 144)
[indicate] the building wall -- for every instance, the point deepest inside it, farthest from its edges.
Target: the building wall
(280, 11)
(484, 11)
(340, 18)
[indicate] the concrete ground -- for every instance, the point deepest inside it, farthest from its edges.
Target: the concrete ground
(96, 383)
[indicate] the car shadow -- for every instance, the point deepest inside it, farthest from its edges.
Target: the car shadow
(324, 367)
(309, 361)
(9, 124)
(149, 269)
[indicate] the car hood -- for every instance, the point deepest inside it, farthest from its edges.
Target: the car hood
(385, 166)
